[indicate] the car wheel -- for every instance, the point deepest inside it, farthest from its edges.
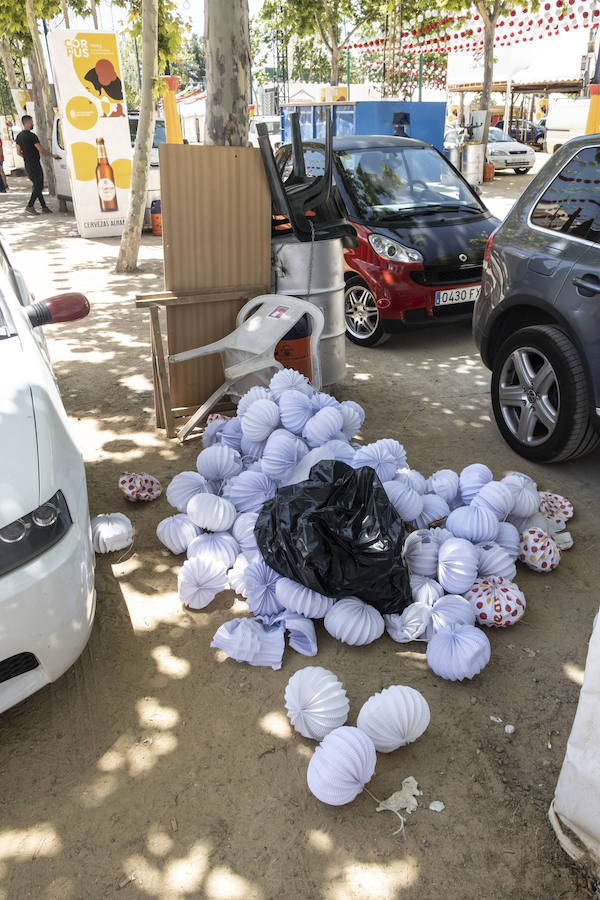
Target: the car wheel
(363, 325)
(522, 170)
(540, 396)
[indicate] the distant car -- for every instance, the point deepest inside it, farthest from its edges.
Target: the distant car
(502, 151)
(524, 131)
(273, 124)
(47, 597)
(537, 321)
(421, 231)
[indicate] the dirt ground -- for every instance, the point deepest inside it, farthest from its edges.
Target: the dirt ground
(157, 768)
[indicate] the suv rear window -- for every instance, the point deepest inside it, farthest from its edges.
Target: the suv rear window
(571, 203)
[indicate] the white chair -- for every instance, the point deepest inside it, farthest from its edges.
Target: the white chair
(251, 347)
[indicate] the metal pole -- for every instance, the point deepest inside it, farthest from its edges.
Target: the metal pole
(348, 72)
(137, 59)
(420, 76)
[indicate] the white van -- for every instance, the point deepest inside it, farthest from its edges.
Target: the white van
(63, 185)
(566, 119)
(273, 124)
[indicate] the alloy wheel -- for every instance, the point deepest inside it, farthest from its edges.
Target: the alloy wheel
(529, 396)
(362, 315)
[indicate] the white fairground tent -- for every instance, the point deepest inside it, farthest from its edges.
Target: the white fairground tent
(191, 106)
(575, 810)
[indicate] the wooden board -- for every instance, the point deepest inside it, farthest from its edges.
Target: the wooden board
(216, 220)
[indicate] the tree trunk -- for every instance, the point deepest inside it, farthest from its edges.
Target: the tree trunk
(65, 12)
(44, 111)
(227, 55)
(335, 63)
(94, 13)
(489, 21)
(130, 240)
(9, 66)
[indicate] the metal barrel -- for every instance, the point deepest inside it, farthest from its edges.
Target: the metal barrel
(315, 272)
(472, 163)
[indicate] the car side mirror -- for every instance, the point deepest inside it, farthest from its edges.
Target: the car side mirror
(60, 308)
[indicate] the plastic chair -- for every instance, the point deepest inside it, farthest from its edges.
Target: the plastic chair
(251, 347)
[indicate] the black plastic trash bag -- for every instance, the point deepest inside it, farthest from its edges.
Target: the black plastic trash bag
(337, 533)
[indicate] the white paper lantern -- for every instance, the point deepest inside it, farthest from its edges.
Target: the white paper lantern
(386, 456)
(283, 451)
(320, 400)
(303, 600)
(261, 589)
(231, 435)
(220, 546)
(341, 766)
(405, 500)
(177, 532)
(444, 483)
(409, 625)
(301, 632)
(435, 509)
(325, 425)
(354, 622)
(295, 409)
(353, 416)
(457, 565)
(425, 590)
(451, 609)
(289, 380)
(200, 580)
(526, 500)
(471, 480)
(249, 491)
(474, 523)
(494, 561)
(183, 487)
(258, 392)
(237, 575)
(417, 482)
(458, 652)
(316, 702)
(243, 532)
(496, 497)
(341, 450)
(421, 553)
(394, 717)
(110, 532)
(496, 602)
(302, 470)
(259, 420)
(556, 508)
(217, 463)
(509, 539)
(211, 513)
(248, 640)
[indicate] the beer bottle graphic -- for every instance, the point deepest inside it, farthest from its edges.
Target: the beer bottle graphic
(105, 179)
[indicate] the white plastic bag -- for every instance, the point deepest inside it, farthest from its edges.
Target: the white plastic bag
(576, 803)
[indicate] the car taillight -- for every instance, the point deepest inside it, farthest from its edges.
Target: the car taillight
(488, 248)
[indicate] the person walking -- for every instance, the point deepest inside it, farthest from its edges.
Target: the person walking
(3, 184)
(29, 147)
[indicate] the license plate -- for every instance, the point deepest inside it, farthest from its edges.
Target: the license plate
(458, 295)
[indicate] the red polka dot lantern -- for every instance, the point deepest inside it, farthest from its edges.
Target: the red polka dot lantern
(140, 486)
(538, 550)
(555, 508)
(496, 602)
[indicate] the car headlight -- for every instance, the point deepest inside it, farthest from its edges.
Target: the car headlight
(33, 534)
(497, 152)
(389, 249)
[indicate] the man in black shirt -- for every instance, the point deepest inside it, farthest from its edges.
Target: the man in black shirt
(29, 147)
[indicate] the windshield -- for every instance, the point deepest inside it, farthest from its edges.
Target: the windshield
(497, 137)
(160, 133)
(392, 181)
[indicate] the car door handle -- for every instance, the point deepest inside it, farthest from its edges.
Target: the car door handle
(589, 285)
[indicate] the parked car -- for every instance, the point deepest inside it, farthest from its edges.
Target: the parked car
(502, 150)
(273, 124)
(566, 119)
(536, 322)
(421, 231)
(524, 131)
(47, 597)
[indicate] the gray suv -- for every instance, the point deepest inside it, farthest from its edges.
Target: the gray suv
(537, 321)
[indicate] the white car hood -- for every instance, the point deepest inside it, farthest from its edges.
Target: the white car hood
(511, 147)
(19, 463)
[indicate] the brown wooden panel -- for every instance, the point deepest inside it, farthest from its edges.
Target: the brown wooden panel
(216, 217)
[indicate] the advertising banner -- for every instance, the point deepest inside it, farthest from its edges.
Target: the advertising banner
(95, 128)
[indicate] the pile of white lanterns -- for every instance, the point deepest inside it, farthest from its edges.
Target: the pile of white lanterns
(462, 571)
